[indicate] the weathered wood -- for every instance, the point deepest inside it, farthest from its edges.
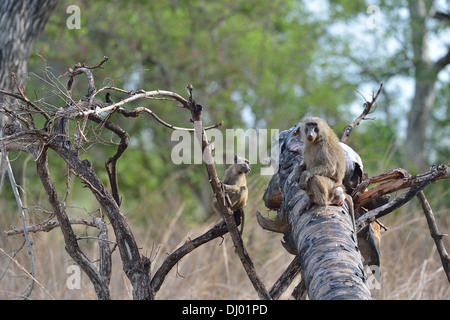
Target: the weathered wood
(325, 242)
(136, 268)
(21, 23)
(216, 185)
(435, 234)
(285, 279)
(100, 281)
(327, 246)
(218, 230)
(404, 180)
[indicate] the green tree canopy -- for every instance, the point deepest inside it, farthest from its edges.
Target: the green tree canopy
(253, 64)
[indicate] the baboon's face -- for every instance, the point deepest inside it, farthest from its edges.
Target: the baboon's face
(243, 163)
(311, 131)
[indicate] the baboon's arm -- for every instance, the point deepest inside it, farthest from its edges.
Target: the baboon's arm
(231, 189)
(324, 170)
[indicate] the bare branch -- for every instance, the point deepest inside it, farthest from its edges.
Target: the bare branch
(15, 189)
(379, 212)
(137, 111)
(136, 267)
(155, 94)
(111, 163)
(82, 68)
(367, 108)
(31, 136)
(293, 270)
(196, 112)
(168, 125)
(49, 225)
(24, 98)
(402, 180)
(217, 231)
(435, 234)
(71, 244)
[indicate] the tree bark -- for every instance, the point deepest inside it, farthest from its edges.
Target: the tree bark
(136, 268)
(21, 23)
(325, 242)
(327, 246)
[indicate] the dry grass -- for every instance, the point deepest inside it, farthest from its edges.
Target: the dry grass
(411, 268)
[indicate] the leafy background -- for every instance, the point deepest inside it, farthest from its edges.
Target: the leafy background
(254, 64)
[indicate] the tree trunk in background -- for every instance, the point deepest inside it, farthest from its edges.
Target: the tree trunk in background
(425, 75)
(21, 22)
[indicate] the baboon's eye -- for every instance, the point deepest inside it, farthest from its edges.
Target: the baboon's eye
(316, 129)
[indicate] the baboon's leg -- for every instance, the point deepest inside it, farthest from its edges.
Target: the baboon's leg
(318, 190)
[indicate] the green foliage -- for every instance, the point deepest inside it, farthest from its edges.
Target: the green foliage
(260, 64)
(376, 143)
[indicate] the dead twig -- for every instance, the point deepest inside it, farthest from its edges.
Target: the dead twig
(215, 232)
(435, 234)
(24, 98)
(15, 189)
(82, 68)
(49, 225)
(367, 108)
(398, 179)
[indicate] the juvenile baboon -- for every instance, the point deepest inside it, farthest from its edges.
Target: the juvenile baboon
(235, 186)
(322, 169)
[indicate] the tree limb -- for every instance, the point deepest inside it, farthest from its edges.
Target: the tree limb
(367, 108)
(82, 68)
(442, 62)
(379, 212)
(402, 180)
(435, 234)
(15, 189)
(136, 268)
(49, 225)
(70, 240)
(137, 111)
(196, 112)
(286, 278)
(217, 231)
(111, 163)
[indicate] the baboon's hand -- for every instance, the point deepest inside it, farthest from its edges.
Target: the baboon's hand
(300, 177)
(304, 177)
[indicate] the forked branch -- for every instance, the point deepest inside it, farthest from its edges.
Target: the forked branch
(367, 109)
(227, 213)
(396, 180)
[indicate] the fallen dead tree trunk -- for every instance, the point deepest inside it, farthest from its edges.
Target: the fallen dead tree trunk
(326, 244)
